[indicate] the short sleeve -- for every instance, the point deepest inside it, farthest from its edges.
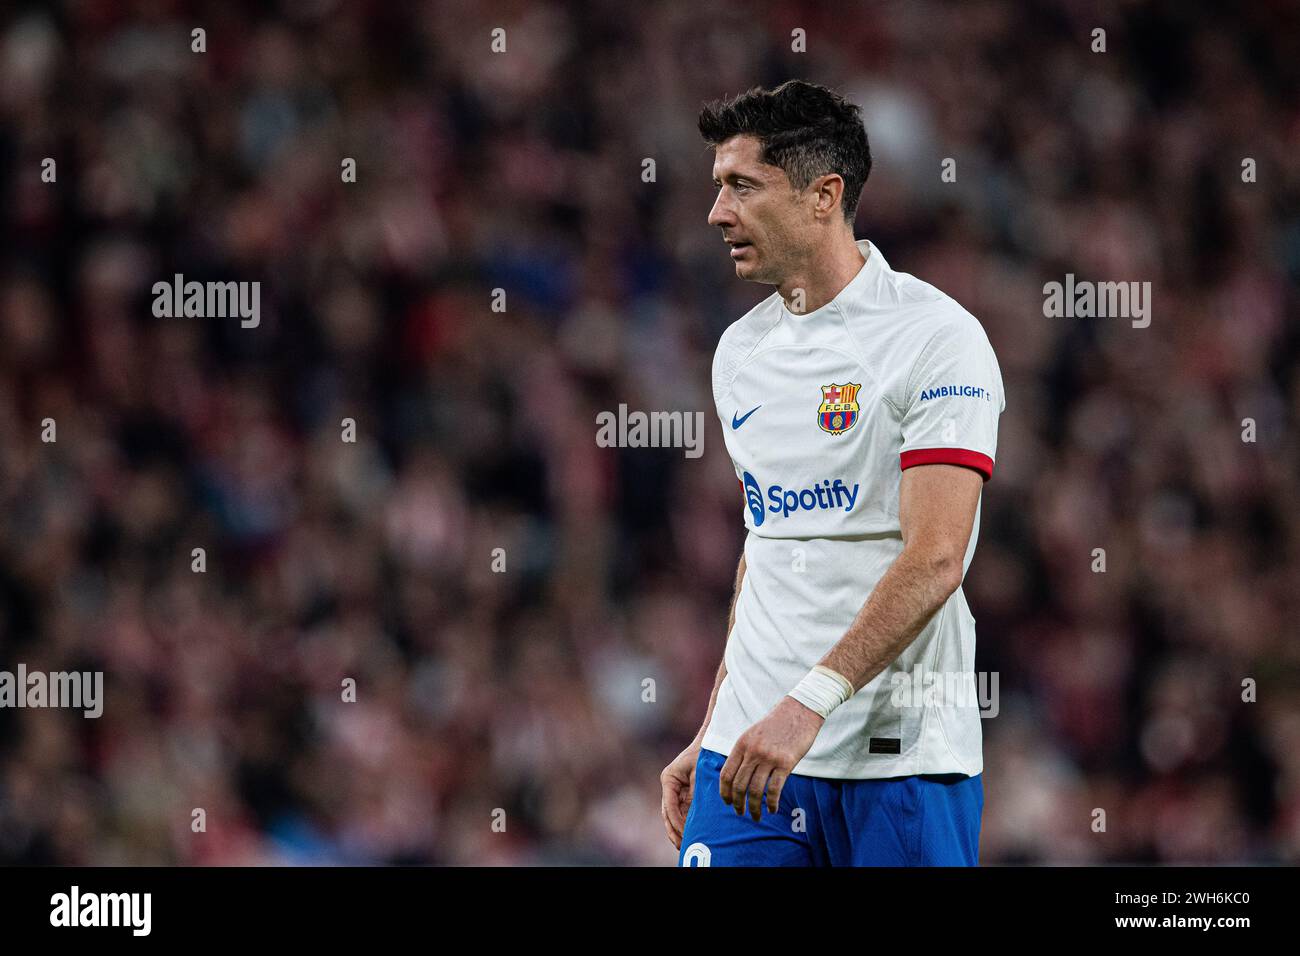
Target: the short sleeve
(952, 402)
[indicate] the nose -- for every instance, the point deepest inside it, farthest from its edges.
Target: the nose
(721, 213)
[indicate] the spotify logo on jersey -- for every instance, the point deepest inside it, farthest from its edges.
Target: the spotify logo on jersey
(785, 501)
(754, 498)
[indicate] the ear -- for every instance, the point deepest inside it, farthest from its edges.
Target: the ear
(830, 190)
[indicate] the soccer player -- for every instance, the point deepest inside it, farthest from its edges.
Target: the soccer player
(860, 407)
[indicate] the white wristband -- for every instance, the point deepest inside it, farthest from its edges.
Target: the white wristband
(822, 690)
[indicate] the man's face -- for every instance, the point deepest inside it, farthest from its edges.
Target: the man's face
(761, 217)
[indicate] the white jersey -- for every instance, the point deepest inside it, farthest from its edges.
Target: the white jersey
(821, 413)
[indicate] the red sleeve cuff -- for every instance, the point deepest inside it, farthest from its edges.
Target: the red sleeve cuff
(948, 456)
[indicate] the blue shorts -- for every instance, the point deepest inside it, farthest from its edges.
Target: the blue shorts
(920, 820)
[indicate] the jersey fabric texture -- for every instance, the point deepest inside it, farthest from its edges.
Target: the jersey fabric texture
(902, 821)
(821, 413)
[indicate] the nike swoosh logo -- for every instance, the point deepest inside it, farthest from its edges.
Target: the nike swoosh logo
(737, 422)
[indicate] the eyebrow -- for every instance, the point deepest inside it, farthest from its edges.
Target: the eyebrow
(733, 176)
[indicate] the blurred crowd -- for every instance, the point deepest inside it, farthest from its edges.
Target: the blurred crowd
(532, 623)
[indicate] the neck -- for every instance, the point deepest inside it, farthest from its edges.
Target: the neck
(823, 276)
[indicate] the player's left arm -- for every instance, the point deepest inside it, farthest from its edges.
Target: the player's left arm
(937, 505)
(949, 406)
(936, 511)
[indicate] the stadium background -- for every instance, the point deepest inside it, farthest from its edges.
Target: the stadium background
(522, 171)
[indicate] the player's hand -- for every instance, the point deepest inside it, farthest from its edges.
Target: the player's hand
(678, 783)
(772, 747)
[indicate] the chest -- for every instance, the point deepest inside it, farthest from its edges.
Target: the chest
(803, 411)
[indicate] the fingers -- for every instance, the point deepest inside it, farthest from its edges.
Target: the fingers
(670, 808)
(675, 838)
(675, 801)
(740, 785)
(672, 803)
(672, 829)
(774, 787)
(745, 776)
(728, 772)
(756, 784)
(675, 817)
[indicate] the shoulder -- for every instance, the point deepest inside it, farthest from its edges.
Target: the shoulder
(894, 316)
(927, 321)
(925, 316)
(925, 333)
(739, 340)
(944, 325)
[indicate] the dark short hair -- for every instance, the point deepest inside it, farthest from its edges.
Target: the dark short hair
(806, 129)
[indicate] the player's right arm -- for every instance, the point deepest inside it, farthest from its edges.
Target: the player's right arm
(678, 778)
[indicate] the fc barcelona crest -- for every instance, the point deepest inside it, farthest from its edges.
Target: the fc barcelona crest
(839, 410)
